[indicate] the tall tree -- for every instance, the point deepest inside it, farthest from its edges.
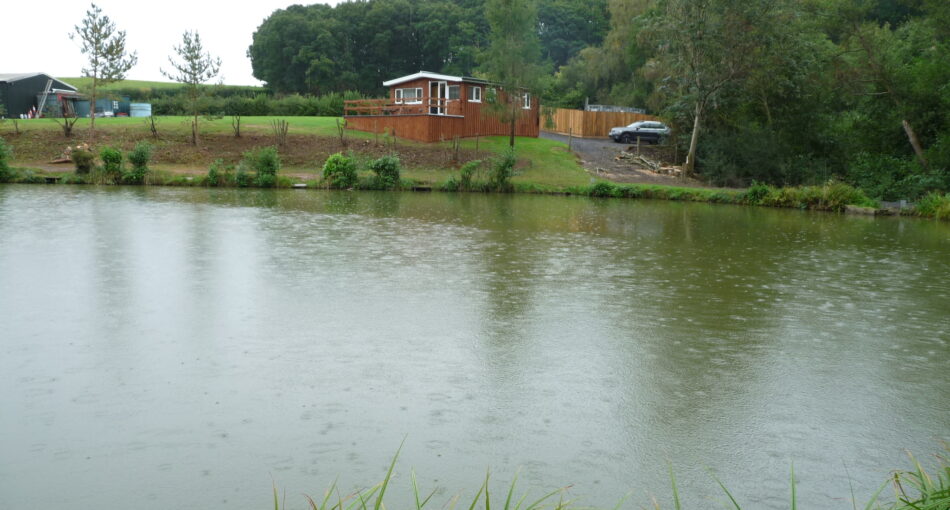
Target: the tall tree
(104, 46)
(513, 57)
(704, 46)
(195, 67)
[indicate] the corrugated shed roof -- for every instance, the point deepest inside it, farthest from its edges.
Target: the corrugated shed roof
(11, 77)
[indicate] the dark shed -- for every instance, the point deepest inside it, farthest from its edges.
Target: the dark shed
(19, 91)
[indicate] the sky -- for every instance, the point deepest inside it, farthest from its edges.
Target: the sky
(36, 39)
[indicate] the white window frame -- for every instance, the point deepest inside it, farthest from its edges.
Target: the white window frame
(402, 99)
(474, 94)
(448, 92)
(526, 105)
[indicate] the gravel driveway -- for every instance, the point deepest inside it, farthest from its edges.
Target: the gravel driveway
(598, 157)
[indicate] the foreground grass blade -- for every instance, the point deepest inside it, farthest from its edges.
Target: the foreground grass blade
(734, 502)
(389, 474)
(676, 493)
(794, 501)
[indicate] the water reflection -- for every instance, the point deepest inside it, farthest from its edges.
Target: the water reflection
(202, 340)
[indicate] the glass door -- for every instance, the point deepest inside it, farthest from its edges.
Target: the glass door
(437, 96)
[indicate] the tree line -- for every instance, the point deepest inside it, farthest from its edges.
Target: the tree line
(782, 92)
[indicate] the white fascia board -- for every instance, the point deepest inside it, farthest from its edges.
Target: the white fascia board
(420, 75)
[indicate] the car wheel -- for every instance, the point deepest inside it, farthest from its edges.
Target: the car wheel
(626, 138)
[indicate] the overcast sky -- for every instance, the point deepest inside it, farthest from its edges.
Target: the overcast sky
(35, 37)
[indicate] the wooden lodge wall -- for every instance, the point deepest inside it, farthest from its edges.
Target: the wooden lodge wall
(464, 119)
(434, 128)
(587, 124)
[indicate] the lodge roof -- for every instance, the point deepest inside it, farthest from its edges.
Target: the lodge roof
(432, 76)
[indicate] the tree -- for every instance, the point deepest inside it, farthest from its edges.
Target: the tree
(512, 58)
(704, 46)
(104, 46)
(194, 69)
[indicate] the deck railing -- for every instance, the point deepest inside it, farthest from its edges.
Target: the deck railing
(427, 106)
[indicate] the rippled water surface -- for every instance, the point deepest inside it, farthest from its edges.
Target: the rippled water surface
(183, 348)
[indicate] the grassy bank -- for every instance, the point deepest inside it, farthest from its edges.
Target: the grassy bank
(543, 166)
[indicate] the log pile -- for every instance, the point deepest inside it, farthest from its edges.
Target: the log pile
(645, 163)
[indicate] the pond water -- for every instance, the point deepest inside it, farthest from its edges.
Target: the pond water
(186, 348)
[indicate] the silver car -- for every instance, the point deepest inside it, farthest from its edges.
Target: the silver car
(649, 131)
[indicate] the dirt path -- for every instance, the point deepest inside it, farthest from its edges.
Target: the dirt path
(599, 157)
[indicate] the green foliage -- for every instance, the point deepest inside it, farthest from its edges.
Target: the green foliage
(217, 173)
(934, 205)
(242, 178)
(6, 154)
(139, 157)
(339, 171)
(111, 162)
(467, 174)
(387, 170)
(265, 162)
(502, 170)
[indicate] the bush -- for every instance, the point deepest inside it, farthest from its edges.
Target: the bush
(339, 171)
(503, 168)
(242, 179)
(934, 204)
(139, 157)
(467, 174)
(217, 173)
(387, 171)
(6, 154)
(265, 162)
(111, 162)
(84, 160)
(604, 189)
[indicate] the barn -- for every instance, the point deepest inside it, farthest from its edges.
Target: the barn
(21, 92)
(430, 107)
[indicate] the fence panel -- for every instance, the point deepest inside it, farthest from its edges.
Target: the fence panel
(587, 124)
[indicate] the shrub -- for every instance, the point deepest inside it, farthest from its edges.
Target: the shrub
(387, 171)
(216, 173)
(503, 168)
(603, 189)
(242, 179)
(755, 194)
(339, 171)
(139, 157)
(6, 154)
(84, 160)
(934, 204)
(467, 174)
(265, 162)
(111, 162)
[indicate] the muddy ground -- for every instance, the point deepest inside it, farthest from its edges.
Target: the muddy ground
(300, 152)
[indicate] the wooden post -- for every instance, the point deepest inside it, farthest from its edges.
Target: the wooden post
(638, 146)
(476, 145)
(570, 138)
(376, 131)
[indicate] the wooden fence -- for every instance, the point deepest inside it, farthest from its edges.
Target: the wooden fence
(587, 124)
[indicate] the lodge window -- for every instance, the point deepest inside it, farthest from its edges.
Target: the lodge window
(453, 91)
(475, 94)
(527, 101)
(409, 96)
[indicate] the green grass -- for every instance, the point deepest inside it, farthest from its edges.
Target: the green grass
(914, 489)
(144, 86)
(178, 125)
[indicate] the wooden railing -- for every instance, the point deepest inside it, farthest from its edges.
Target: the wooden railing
(428, 106)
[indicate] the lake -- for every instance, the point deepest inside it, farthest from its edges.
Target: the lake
(186, 348)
